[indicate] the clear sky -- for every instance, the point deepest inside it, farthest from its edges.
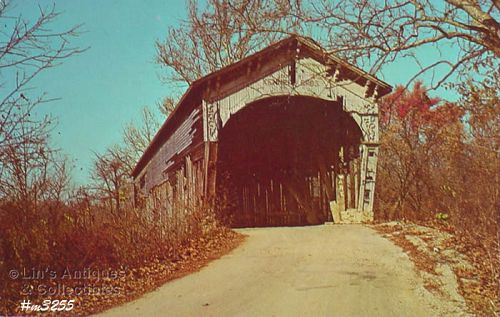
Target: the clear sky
(104, 88)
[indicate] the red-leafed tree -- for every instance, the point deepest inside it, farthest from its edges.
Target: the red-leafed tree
(409, 107)
(440, 161)
(416, 131)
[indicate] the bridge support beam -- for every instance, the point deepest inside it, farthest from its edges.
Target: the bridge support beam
(366, 187)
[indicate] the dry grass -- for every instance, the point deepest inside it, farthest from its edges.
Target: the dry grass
(198, 253)
(147, 247)
(422, 260)
(433, 287)
(134, 281)
(477, 277)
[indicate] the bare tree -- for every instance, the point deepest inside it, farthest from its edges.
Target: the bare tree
(457, 37)
(374, 33)
(26, 50)
(220, 34)
(167, 105)
(33, 175)
(109, 175)
(136, 138)
(32, 172)
(112, 169)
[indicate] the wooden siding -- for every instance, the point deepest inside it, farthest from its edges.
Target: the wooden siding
(186, 136)
(180, 169)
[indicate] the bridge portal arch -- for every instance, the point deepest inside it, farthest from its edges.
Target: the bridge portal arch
(307, 80)
(280, 160)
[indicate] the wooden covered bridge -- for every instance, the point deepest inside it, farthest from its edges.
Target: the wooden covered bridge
(286, 136)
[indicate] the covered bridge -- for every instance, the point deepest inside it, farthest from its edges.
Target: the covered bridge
(286, 136)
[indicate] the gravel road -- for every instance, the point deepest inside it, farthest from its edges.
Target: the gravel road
(341, 270)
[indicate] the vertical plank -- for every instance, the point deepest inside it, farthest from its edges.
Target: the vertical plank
(211, 168)
(356, 182)
(267, 204)
(282, 202)
(254, 208)
(206, 158)
(189, 182)
(345, 189)
(348, 194)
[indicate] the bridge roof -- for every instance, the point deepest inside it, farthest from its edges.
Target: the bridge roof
(196, 88)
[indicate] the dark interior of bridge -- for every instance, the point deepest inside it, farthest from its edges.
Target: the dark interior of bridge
(278, 158)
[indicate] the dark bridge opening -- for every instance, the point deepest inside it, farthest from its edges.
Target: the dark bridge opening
(279, 158)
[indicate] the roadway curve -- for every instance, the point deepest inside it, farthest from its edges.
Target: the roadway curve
(341, 270)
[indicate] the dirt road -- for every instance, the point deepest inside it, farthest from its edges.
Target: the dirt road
(303, 271)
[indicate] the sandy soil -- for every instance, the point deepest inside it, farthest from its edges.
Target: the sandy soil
(347, 270)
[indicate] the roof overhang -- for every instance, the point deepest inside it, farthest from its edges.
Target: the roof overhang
(289, 44)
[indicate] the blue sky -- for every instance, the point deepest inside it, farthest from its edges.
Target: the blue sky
(104, 88)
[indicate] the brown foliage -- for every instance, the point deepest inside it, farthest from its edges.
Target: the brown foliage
(421, 259)
(85, 234)
(443, 159)
(443, 246)
(444, 167)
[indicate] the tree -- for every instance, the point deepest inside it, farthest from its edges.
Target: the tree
(375, 33)
(167, 105)
(137, 136)
(109, 175)
(32, 172)
(219, 35)
(479, 186)
(112, 169)
(418, 133)
(481, 103)
(33, 175)
(26, 50)
(457, 37)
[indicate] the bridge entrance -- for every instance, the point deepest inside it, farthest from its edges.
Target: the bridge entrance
(280, 160)
(286, 136)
